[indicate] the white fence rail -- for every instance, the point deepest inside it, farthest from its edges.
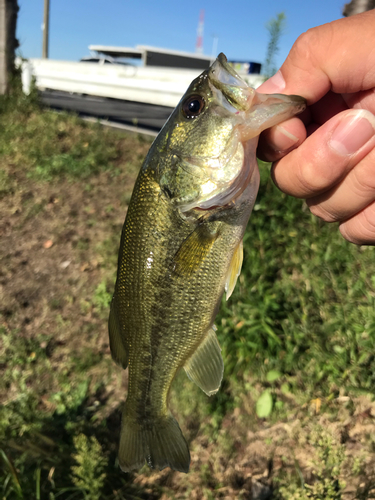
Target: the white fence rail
(161, 86)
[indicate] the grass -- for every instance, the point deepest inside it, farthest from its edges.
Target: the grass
(327, 469)
(305, 304)
(298, 337)
(58, 152)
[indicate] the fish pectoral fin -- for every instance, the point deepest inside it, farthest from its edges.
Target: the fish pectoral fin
(205, 367)
(194, 250)
(118, 350)
(234, 270)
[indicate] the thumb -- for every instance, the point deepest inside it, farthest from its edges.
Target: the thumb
(326, 156)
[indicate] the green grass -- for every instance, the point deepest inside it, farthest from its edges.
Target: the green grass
(54, 145)
(57, 152)
(300, 326)
(305, 301)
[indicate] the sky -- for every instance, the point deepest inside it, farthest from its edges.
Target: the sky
(238, 25)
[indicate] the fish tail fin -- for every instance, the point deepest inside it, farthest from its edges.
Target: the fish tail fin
(161, 444)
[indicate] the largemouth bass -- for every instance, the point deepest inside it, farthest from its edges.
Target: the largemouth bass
(181, 248)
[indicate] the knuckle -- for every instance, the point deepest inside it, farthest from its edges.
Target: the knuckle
(368, 222)
(311, 178)
(347, 234)
(303, 42)
(308, 176)
(360, 229)
(363, 178)
(304, 47)
(319, 211)
(320, 170)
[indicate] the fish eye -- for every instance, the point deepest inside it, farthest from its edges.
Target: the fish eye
(193, 106)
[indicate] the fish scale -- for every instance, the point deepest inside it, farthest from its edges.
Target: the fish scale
(181, 247)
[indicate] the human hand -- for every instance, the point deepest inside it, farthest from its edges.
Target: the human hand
(327, 155)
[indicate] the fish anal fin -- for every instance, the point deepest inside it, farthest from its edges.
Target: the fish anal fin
(194, 250)
(161, 444)
(118, 350)
(205, 367)
(234, 270)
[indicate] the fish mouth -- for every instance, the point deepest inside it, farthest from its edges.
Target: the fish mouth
(238, 96)
(253, 112)
(222, 72)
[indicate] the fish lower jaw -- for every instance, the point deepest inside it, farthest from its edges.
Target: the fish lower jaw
(206, 209)
(191, 212)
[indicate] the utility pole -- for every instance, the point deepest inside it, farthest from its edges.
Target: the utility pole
(45, 29)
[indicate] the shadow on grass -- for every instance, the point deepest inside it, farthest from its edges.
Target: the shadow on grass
(41, 461)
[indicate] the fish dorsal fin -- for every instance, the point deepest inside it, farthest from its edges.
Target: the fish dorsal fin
(234, 270)
(194, 249)
(118, 350)
(205, 367)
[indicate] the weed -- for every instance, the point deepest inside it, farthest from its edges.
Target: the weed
(89, 475)
(102, 298)
(327, 472)
(11, 483)
(69, 398)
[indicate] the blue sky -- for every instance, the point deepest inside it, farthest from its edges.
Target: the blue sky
(239, 25)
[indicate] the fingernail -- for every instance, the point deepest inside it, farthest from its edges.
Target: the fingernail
(353, 132)
(273, 85)
(284, 139)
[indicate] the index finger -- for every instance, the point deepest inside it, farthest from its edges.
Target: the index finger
(337, 56)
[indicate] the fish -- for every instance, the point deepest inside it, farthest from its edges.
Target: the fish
(181, 250)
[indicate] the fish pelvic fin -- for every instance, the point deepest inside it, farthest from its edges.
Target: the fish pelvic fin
(161, 444)
(205, 367)
(234, 270)
(118, 350)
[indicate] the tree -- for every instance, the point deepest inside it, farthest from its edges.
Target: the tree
(8, 42)
(275, 27)
(358, 6)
